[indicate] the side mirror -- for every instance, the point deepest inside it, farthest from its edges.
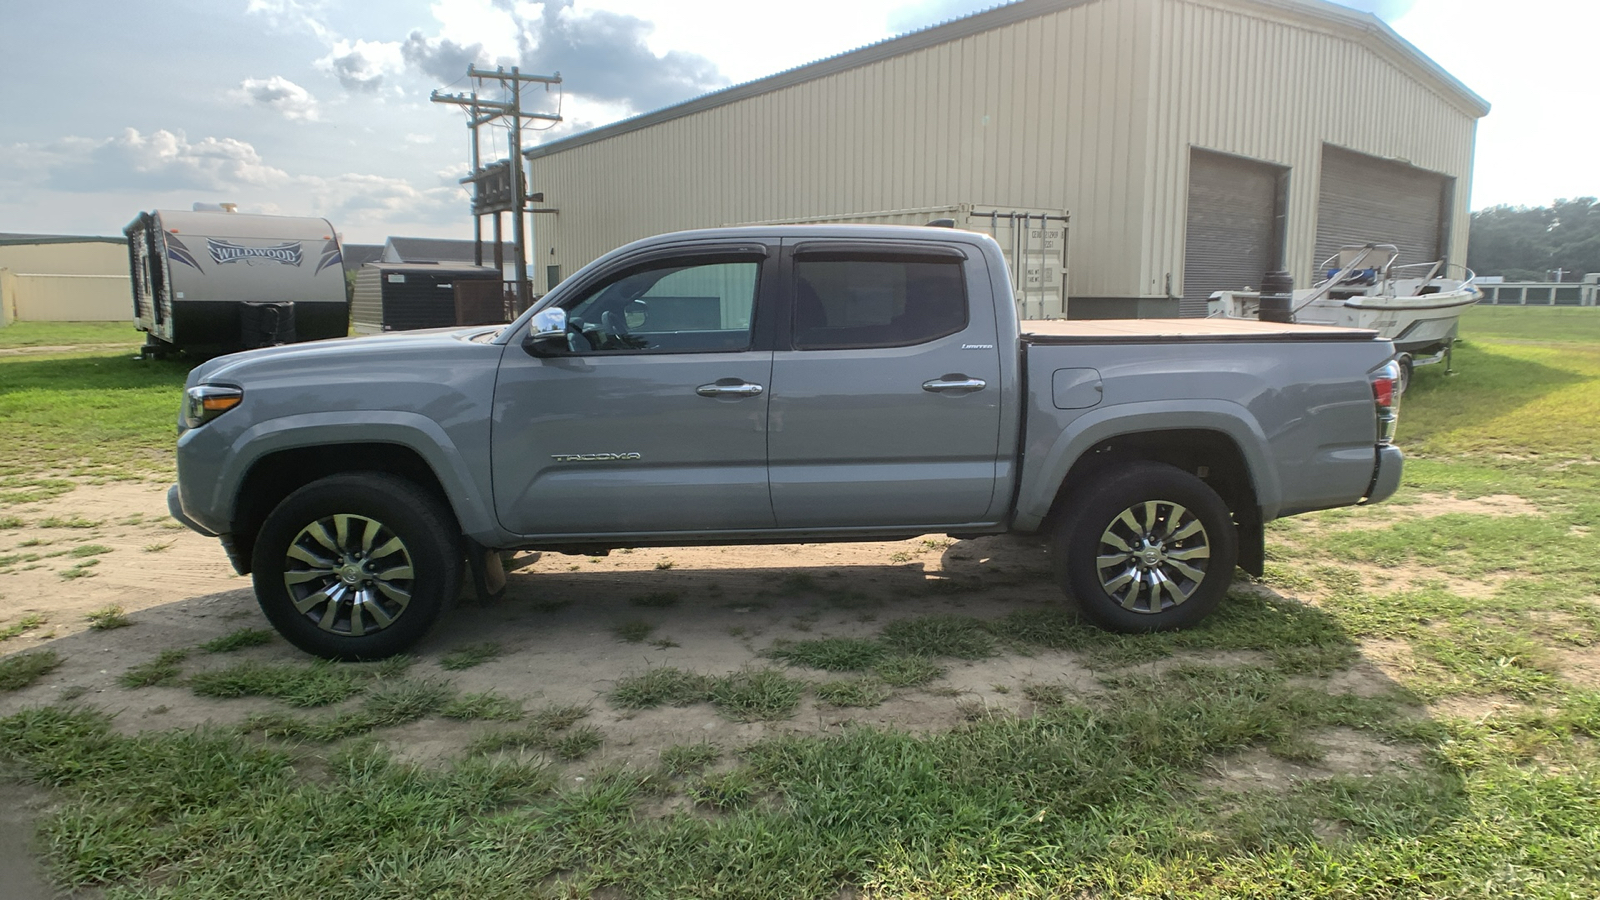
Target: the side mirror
(547, 333)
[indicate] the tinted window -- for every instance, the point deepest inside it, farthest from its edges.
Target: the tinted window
(667, 307)
(842, 304)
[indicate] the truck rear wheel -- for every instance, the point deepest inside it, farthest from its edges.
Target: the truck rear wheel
(1147, 548)
(356, 566)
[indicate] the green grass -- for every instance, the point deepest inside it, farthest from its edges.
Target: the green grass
(164, 669)
(831, 654)
(238, 640)
(860, 692)
(107, 618)
(552, 730)
(23, 669)
(687, 759)
(745, 696)
(907, 670)
(81, 415)
(487, 705)
(962, 637)
(756, 695)
(315, 684)
(68, 334)
(22, 626)
(468, 656)
(665, 686)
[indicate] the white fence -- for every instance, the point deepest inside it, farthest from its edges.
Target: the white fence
(1538, 293)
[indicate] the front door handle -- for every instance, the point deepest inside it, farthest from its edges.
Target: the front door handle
(729, 388)
(954, 383)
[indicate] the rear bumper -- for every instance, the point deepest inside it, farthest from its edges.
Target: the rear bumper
(1385, 475)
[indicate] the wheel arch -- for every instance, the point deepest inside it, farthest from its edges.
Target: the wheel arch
(276, 473)
(1210, 450)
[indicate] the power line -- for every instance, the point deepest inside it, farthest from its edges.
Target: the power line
(486, 180)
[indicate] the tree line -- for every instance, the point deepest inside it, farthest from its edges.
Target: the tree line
(1528, 243)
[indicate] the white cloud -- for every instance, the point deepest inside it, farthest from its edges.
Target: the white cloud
(483, 22)
(162, 160)
(365, 202)
(280, 95)
(362, 65)
(290, 15)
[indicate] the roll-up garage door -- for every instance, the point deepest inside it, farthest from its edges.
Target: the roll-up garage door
(1367, 200)
(1231, 238)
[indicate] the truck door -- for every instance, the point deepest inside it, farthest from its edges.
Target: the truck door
(655, 421)
(885, 387)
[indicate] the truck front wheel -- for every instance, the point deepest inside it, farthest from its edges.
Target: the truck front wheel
(356, 566)
(1147, 548)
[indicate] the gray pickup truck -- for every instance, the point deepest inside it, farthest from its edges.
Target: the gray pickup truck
(774, 384)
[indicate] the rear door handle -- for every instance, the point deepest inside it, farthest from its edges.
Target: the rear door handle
(954, 383)
(729, 388)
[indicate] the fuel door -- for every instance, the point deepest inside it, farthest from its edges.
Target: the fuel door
(1076, 388)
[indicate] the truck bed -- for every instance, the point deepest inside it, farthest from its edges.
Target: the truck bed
(1144, 331)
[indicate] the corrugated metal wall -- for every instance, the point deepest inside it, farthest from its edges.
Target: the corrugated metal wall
(1275, 85)
(1035, 115)
(1092, 108)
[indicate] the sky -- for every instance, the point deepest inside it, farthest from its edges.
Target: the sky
(320, 107)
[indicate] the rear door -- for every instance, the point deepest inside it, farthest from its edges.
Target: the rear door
(655, 421)
(885, 395)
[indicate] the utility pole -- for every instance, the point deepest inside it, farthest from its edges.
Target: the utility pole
(492, 193)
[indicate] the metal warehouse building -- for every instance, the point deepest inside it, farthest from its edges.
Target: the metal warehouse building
(1195, 144)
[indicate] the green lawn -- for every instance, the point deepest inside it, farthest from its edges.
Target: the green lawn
(101, 414)
(1482, 622)
(68, 334)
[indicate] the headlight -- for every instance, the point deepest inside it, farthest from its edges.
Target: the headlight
(205, 402)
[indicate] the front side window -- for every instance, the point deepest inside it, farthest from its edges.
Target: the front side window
(851, 303)
(668, 307)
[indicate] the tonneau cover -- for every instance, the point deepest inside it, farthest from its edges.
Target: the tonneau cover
(1098, 331)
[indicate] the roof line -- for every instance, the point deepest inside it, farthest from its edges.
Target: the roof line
(887, 48)
(955, 29)
(23, 240)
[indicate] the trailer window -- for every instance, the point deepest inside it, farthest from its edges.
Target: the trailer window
(852, 303)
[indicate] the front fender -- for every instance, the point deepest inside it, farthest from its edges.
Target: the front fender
(419, 433)
(1046, 471)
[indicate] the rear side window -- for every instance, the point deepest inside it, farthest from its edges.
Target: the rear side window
(850, 303)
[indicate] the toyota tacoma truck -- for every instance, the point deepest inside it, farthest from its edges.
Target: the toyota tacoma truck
(774, 384)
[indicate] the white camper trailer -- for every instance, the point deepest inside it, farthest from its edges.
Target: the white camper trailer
(219, 281)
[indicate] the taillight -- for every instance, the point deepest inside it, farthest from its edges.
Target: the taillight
(1386, 399)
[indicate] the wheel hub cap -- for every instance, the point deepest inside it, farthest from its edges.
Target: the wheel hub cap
(350, 574)
(1153, 556)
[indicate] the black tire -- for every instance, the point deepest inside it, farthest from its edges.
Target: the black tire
(391, 528)
(1152, 586)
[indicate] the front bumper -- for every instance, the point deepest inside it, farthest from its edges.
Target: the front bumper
(175, 509)
(1385, 475)
(235, 555)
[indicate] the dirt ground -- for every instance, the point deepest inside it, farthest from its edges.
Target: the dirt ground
(555, 626)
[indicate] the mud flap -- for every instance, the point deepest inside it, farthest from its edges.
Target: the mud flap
(488, 572)
(1252, 547)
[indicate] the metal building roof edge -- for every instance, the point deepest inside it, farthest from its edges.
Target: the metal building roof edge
(986, 20)
(23, 240)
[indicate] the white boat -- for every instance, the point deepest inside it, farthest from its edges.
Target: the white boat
(1418, 306)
